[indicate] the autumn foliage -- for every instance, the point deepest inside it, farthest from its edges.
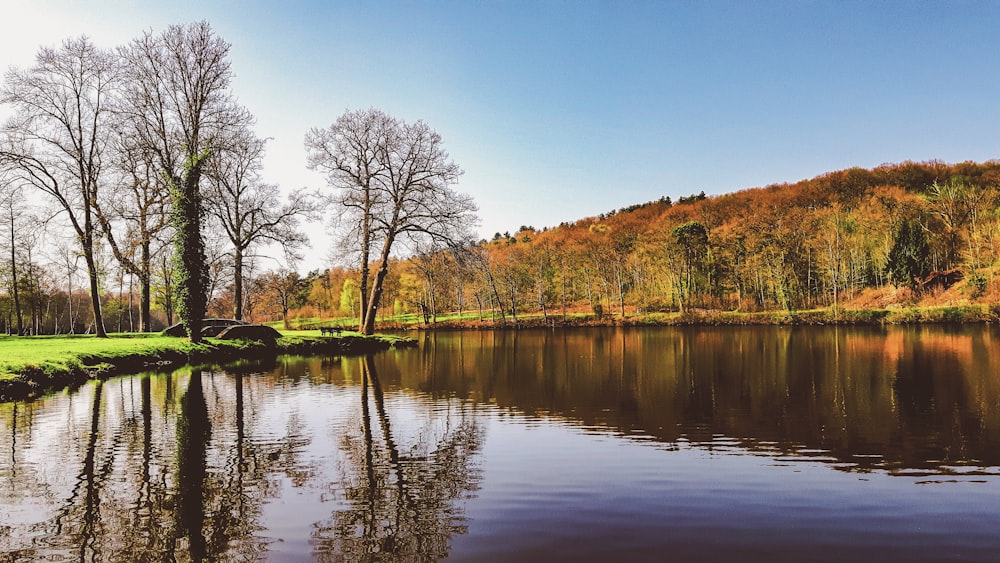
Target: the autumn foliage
(855, 238)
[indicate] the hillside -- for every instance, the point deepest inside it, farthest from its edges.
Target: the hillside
(909, 234)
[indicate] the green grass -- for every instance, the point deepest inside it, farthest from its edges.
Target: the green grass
(827, 315)
(310, 323)
(293, 337)
(66, 352)
(944, 314)
(42, 358)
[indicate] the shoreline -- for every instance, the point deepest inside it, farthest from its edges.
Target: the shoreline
(962, 314)
(36, 381)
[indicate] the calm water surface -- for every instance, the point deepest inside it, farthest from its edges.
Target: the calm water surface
(712, 444)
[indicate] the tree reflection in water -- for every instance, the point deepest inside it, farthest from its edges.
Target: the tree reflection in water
(151, 484)
(83, 525)
(193, 433)
(184, 466)
(900, 399)
(400, 501)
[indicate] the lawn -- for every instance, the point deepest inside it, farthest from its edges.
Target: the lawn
(63, 352)
(45, 357)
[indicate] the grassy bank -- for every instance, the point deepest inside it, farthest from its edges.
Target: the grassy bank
(951, 314)
(32, 365)
(829, 316)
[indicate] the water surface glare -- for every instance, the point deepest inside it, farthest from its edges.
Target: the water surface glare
(693, 444)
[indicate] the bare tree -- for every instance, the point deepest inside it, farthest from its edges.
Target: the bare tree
(163, 292)
(249, 210)
(139, 201)
(10, 206)
(349, 154)
(178, 98)
(432, 264)
(57, 139)
(217, 261)
(69, 260)
(393, 181)
(287, 290)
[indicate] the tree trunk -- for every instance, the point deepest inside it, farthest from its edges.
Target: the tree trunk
(433, 304)
(190, 271)
(366, 241)
(562, 292)
(145, 280)
(121, 298)
(95, 289)
(496, 294)
(363, 292)
(13, 271)
(621, 290)
(72, 324)
(513, 302)
(368, 327)
(168, 291)
(238, 285)
(145, 314)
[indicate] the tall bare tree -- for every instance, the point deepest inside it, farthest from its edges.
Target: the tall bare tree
(10, 206)
(178, 97)
(348, 153)
(57, 139)
(394, 182)
(249, 210)
(138, 201)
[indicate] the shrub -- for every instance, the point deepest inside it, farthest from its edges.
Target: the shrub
(978, 283)
(904, 316)
(598, 311)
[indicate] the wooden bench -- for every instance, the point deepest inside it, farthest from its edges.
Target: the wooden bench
(330, 330)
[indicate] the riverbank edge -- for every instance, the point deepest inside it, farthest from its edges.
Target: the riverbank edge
(35, 381)
(960, 314)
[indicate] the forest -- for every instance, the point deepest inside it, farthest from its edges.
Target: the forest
(899, 235)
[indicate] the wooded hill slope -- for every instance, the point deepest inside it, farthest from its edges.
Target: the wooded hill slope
(899, 234)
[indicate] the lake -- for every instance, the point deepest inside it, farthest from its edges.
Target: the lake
(639, 444)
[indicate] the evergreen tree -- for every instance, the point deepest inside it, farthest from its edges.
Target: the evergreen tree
(908, 258)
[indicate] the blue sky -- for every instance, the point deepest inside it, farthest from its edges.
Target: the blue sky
(559, 110)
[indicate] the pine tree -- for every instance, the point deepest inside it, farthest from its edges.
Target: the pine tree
(908, 257)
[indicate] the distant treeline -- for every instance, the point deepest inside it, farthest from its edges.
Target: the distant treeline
(899, 231)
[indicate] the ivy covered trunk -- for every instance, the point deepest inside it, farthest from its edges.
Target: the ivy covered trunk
(190, 268)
